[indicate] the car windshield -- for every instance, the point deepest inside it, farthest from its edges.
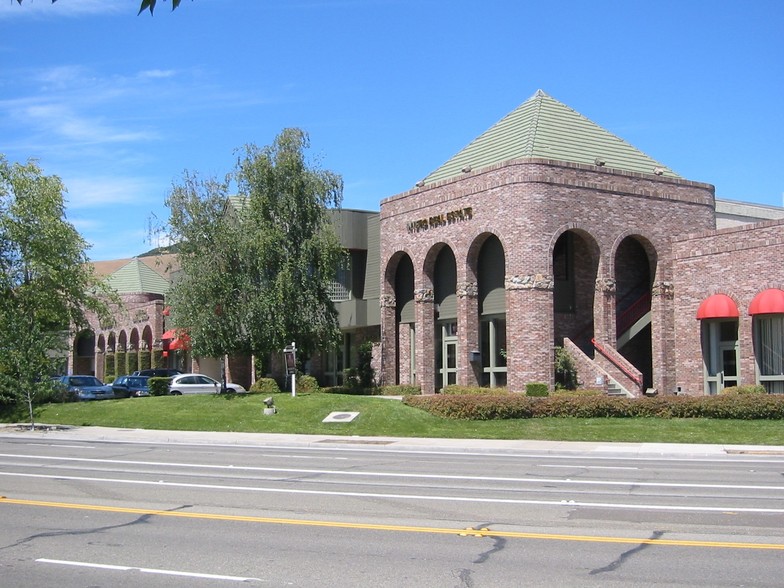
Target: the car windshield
(84, 381)
(137, 382)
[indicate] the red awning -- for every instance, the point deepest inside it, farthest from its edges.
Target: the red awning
(769, 301)
(717, 306)
(170, 334)
(181, 342)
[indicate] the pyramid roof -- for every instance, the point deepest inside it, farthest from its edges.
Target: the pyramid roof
(136, 276)
(543, 127)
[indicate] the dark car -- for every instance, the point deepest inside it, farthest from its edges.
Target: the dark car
(158, 373)
(86, 387)
(130, 387)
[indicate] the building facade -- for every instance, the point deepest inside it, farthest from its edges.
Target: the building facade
(548, 231)
(545, 232)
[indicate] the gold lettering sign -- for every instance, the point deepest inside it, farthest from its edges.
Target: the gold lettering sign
(441, 220)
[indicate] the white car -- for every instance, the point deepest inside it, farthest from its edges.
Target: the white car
(198, 384)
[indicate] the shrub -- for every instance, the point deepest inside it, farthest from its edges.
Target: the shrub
(506, 406)
(120, 363)
(737, 390)
(537, 389)
(351, 380)
(307, 384)
(469, 390)
(158, 386)
(145, 359)
(109, 370)
(264, 386)
(355, 391)
(565, 372)
(400, 390)
(578, 392)
(365, 373)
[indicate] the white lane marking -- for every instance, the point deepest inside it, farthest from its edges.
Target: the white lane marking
(62, 445)
(84, 564)
(584, 467)
(375, 495)
(527, 480)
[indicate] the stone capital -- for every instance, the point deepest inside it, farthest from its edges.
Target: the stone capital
(387, 301)
(423, 295)
(530, 282)
(605, 285)
(664, 289)
(468, 290)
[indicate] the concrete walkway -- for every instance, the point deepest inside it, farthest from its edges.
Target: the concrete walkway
(415, 444)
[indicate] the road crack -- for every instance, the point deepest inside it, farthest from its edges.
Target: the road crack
(612, 566)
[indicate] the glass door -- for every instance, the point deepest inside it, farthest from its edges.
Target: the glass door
(446, 355)
(720, 355)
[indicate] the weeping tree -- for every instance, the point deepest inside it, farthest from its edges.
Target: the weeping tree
(46, 283)
(257, 266)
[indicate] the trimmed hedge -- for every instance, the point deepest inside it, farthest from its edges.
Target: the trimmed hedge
(473, 390)
(307, 384)
(158, 386)
(749, 389)
(264, 386)
(517, 406)
(400, 390)
(537, 389)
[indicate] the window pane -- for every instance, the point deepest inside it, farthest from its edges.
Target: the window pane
(485, 344)
(500, 342)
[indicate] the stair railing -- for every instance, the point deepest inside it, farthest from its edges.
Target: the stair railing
(612, 359)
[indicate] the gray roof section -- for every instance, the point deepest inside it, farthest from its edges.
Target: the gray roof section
(542, 127)
(136, 276)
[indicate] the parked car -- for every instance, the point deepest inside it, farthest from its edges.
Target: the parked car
(158, 372)
(198, 384)
(86, 387)
(130, 387)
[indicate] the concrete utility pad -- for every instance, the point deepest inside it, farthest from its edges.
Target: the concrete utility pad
(340, 417)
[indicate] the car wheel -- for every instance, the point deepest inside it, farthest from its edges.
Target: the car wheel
(175, 393)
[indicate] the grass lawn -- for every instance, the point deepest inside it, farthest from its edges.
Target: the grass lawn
(385, 417)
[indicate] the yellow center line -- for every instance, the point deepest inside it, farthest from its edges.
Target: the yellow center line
(470, 532)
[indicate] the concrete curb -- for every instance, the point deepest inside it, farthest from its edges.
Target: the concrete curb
(410, 444)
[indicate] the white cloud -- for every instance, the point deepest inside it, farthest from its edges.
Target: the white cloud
(157, 73)
(95, 191)
(63, 122)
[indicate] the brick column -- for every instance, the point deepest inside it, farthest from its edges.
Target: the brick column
(604, 310)
(663, 337)
(529, 321)
(468, 374)
(425, 339)
(389, 346)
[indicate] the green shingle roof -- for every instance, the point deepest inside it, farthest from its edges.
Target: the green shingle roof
(136, 276)
(544, 128)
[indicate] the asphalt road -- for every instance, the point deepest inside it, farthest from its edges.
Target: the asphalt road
(95, 507)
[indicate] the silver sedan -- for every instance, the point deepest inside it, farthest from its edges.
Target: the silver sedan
(198, 384)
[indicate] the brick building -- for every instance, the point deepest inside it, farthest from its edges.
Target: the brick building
(546, 231)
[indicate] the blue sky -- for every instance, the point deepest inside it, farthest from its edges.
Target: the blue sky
(119, 105)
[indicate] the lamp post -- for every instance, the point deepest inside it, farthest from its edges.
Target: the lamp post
(290, 359)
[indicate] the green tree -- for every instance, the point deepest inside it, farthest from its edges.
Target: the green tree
(256, 267)
(46, 282)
